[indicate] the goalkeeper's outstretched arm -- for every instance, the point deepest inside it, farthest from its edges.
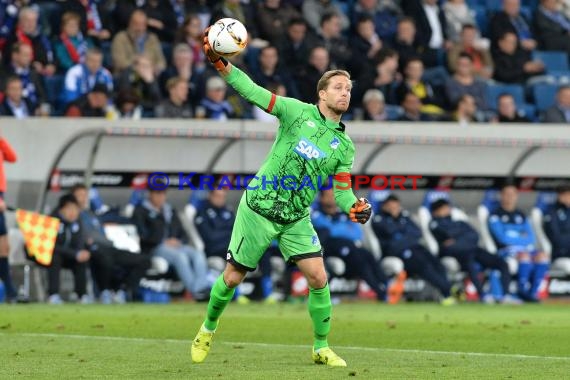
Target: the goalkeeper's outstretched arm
(242, 83)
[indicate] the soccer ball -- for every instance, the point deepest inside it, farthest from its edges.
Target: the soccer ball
(227, 37)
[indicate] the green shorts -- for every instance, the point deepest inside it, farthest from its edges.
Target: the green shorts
(252, 234)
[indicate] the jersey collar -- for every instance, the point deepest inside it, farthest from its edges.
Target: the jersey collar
(340, 127)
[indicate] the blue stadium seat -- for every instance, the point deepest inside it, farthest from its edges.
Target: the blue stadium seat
(544, 95)
(54, 89)
(493, 5)
(528, 110)
(394, 112)
(482, 17)
(491, 199)
(553, 60)
(198, 198)
(376, 198)
(545, 200)
(494, 90)
(435, 195)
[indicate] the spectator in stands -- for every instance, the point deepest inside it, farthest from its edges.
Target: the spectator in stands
(14, 103)
(240, 10)
(69, 251)
(28, 33)
(331, 38)
(128, 44)
(467, 44)
(406, 45)
(71, 46)
(560, 112)
(457, 14)
(32, 81)
(365, 45)
(431, 26)
(7, 154)
(162, 235)
(82, 77)
(105, 258)
(514, 237)
(214, 221)
(513, 64)
(296, 45)
(270, 70)
(383, 76)
(128, 105)
(161, 19)
(412, 108)
(557, 224)
(552, 26)
(459, 240)
(343, 239)
(374, 105)
(92, 104)
(511, 20)
(95, 20)
(413, 82)
(384, 14)
(182, 66)
(400, 237)
(214, 105)
(466, 110)
(8, 19)
(141, 78)
(191, 33)
(464, 82)
(315, 10)
(273, 18)
(176, 106)
(507, 110)
(307, 78)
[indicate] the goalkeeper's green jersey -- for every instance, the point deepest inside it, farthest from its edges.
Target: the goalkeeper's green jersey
(308, 150)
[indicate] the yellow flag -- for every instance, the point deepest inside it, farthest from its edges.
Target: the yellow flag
(40, 234)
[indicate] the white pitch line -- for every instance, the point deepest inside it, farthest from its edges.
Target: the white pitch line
(278, 345)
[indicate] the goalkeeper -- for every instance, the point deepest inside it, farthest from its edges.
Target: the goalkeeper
(311, 143)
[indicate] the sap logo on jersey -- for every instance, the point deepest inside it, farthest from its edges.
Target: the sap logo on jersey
(308, 150)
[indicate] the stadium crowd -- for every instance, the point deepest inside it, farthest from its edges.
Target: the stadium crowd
(414, 60)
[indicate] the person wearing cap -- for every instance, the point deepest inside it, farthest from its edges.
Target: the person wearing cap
(459, 240)
(400, 237)
(557, 225)
(515, 238)
(214, 105)
(92, 104)
(162, 235)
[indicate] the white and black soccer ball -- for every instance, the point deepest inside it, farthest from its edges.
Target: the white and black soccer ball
(227, 37)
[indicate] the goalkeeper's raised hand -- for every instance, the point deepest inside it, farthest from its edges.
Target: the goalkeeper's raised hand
(219, 62)
(360, 211)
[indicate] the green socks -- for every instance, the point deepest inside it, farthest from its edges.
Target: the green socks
(320, 310)
(220, 296)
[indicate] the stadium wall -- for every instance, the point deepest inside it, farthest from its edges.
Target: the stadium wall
(190, 145)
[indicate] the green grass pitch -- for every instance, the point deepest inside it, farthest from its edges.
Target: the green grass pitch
(408, 341)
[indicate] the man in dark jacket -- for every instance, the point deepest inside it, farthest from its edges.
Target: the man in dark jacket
(215, 221)
(106, 258)
(552, 27)
(162, 234)
(557, 225)
(513, 64)
(69, 251)
(400, 237)
(459, 240)
(511, 20)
